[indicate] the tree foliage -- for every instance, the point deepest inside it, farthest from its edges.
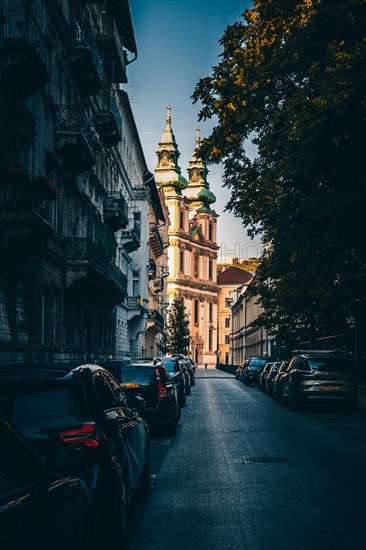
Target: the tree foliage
(292, 79)
(177, 329)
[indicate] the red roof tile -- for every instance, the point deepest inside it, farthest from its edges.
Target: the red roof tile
(234, 275)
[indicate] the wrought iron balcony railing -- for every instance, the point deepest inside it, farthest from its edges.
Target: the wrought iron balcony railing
(154, 315)
(85, 58)
(21, 32)
(115, 211)
(111, 48)
(84, 250)
(131, 237)
(109, 120)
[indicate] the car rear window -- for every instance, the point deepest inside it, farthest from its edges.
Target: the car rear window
(138, 375)
(25, 405)
(169, 363)
(331, 364)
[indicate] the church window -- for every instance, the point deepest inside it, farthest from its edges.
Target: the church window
(210, 232)
(196, 312)
(181, 220)
(210, 307)
(181, 261)
(210, 269)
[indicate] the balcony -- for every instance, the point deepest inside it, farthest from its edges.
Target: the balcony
(156, 242)
(108, 119)
(85, 61)
(115, 211)
(90, 269)
(130, 238)
(23, 50)
(158, 284)
(74, 141)
(156, 317)
(111, 49)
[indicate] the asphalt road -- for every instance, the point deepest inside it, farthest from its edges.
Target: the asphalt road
(245, 473)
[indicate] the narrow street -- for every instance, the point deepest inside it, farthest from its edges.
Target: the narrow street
(244, 473)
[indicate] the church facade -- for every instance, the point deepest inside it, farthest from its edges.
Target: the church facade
(192, 252)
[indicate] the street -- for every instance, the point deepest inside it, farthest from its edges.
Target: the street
(245, 473)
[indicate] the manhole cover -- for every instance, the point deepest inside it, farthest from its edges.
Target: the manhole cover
(264, 459)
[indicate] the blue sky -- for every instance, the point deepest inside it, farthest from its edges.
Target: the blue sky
(178, 43)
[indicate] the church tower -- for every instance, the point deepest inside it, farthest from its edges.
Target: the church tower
(192, 249)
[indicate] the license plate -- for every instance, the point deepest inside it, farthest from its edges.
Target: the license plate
(329, 388)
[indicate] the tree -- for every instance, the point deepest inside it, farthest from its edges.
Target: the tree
(177, 329)
(292, 79)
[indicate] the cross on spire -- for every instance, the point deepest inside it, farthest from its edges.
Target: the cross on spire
(168, 109)
(198, 132)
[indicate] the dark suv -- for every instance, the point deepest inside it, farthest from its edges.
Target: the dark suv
(177, 375)
(85, 410)
(152, 383)
(319, 376)
(252, 369)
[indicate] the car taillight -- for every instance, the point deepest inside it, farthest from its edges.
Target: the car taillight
(162, 391)
(82, 434)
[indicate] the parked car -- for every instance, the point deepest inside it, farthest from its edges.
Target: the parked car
(239, 371)
(262, 379)
(178, 376)
(252, 369)
(191, 369)
(319, 377)
(37, 496)
(84, 410)
(277, 380)
(152, 383)
(270, 377)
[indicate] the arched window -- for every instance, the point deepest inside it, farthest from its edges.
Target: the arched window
(196, 260)
(181, 219)
(210, 268)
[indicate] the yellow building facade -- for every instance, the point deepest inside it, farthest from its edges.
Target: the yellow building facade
(192, 252)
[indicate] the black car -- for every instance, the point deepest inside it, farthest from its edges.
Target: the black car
(39, 497)
(271, 375)
(177, 375)
(262, 380)
(252, 369)
(152, 383)
(85, 410)
(189, 366)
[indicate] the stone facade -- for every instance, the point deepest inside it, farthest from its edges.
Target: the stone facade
(73, 203)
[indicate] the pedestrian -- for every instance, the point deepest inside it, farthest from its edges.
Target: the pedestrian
(206, 366)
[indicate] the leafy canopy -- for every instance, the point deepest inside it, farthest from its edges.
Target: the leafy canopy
(177, 329)
(292, 79)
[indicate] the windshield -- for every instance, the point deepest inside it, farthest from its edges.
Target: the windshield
(257, 362)
(331, 364)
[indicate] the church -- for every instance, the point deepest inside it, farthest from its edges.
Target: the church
(192, 252)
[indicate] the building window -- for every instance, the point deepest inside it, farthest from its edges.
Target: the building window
(210, 232)
(181, 219)
(135, 283)
(210, 308)
(181, 261)
(196, 312)
(227, 322)
(228, 302)
(227, 338)
(210, 269)
(210, 339)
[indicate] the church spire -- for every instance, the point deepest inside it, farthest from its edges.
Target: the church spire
(167, 171)
(198, 190)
